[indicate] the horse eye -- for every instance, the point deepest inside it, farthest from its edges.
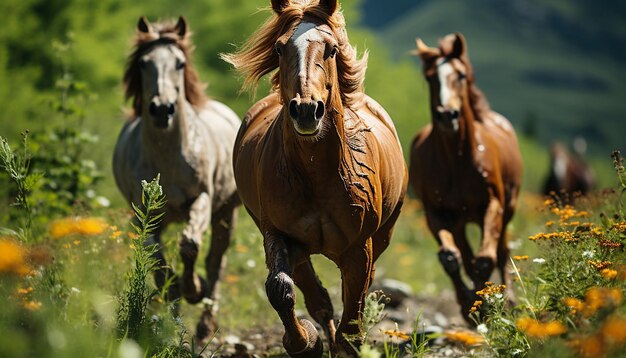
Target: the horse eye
(333, 52)
(180, 65)
(279, 49)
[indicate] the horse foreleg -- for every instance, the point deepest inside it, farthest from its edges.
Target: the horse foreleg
(451, 259)
(356, 267)
(316, 297)
(192, 286)
(486, 257)
(301, 338)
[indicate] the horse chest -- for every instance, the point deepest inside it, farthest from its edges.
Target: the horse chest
(458, 190)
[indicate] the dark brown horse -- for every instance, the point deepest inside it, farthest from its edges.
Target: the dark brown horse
(568, 175)
(465, 167)
(318, 166)
(187, 138)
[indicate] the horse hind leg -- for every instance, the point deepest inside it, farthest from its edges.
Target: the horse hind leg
(221, 230)
(193, 287)
(301, 338)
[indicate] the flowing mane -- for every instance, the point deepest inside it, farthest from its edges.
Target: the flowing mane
(257, 57)
(162, 34)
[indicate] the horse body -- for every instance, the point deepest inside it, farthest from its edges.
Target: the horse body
(318, 166)
(466, 168)
(568, 174)
(187, 138)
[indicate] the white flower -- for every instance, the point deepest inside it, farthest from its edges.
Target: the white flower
(482, 328)
(539, 260)
(499, 295)
(516, 351)
(588, 254)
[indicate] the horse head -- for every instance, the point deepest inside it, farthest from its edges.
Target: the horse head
(307, 71)
(158, 75)
(448, 73)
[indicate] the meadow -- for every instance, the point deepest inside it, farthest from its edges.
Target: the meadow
(77, 279)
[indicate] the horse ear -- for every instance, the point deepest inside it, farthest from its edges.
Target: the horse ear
(279, 5)
(330, 6)
(181, 26)
(423, 51)
(459, 46)
(143, 25)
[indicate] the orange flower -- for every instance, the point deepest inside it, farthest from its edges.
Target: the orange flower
(81, 226)
(575, 304)
(614, 331)
(599, 265)
(598, 297)
(466, 338)
(609, 274)
(490, 289)
(589, 347)
(533, 328)
(13, 258)
(476, 305)
(520, 258)
(24, 291)
(396, 334)
(31, 305)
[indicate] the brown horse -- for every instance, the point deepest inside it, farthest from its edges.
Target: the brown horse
(568, 175)
(465, 167)
(187, 138)
(318, 166)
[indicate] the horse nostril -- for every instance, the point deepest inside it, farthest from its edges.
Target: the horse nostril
(171, 109)
(152, 109)
(319, 110)
(454, 113)
(293, 109)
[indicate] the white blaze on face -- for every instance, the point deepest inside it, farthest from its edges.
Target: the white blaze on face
(304, 34)
(444, 70)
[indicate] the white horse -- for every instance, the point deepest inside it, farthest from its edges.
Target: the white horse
(187, 138)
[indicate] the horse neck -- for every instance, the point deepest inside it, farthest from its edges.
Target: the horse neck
(314, 157)
(159, 142)
(459, 144)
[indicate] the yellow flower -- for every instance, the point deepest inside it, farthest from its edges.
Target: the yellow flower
(614, 331)
(396, 334)
(31, 305)
(231, 278)
(598, 297)
(115, 234)
(81, 226)
(476, 305)
(13, 258)
(621, 227)
(574, 303)
(490, 289)
(589, 347)
(24, 291)
(549, 223)
(609, 274)
(520, 258)
(533, 328)
(241, 248)
(464, 337)
(599, 265)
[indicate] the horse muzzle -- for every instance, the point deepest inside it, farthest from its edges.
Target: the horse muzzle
(447, 117)
(162, 113)
(306, 115)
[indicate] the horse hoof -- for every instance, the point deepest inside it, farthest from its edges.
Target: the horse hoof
(205, 329)
(193, 288)
(314, 347)
(449, 262)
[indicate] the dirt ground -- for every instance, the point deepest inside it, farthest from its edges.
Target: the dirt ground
(437, 315)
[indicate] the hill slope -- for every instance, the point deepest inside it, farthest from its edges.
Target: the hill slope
(553, 67)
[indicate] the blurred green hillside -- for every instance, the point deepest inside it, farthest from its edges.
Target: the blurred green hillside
(101, 32)
(554, 68)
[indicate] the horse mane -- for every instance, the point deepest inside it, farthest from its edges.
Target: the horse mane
(257, 57)
(164, 33)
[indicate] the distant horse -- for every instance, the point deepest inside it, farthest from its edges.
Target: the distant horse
(568, 175)
(465, 167)
(318, 166)
(187, 138)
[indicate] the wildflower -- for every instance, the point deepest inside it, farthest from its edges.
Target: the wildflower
(574, 304)
(548, 202)
(539, 260)
(598, 297)
(620, 227)
(115, 234)
(76, 242)
(231, 278)
(241, 248)
(609, 244)
(81, 226)
(588, 254)
(482, 328)
(476, 305)
(533, 328)
(490, 289)
(549, 223)
(466, 338)
(589, 346)
(520, 258)
(396, 334)
(613, 331)
(599, 265)
(609, 274)
(13, 258)
(31, 305)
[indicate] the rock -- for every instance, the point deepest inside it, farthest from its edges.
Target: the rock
(397, 291)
